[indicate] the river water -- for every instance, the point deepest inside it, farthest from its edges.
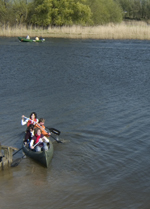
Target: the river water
(97, 93)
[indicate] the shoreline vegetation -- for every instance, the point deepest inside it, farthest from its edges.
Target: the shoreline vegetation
(126, 30)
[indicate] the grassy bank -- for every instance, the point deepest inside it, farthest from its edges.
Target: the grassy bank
(124, 30)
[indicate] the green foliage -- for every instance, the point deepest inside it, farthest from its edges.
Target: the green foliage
(41, 12)
(105, 11)
(60, 12)
(81, 14)
(135, 9)
(5, 12)
(12, 13)
(20, 11)
(68, 12)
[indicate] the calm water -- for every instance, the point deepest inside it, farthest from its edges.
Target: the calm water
(97, 93)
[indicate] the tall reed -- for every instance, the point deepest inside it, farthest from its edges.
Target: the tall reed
(124, 30)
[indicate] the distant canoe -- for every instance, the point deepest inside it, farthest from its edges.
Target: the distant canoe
(43, 157)
(30, 40)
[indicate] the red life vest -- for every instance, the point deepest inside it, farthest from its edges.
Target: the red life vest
(31, 122)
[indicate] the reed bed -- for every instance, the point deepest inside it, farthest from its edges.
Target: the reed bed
(124, 30)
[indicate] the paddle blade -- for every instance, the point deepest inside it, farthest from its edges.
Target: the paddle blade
(57, 140)
(54, 131)
(16, 162)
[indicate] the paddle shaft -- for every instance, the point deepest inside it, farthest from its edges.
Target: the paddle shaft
(53, 130)
(17, 161)
(21, 149)
(17, 151)
(58, 141)
(36, 144)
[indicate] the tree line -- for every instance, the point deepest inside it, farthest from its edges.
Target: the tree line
(135, 9)
(47, 13)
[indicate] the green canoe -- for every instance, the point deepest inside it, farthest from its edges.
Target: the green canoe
(43, 157)
(30, 40)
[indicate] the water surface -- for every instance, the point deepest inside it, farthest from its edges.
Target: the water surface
(96, 92)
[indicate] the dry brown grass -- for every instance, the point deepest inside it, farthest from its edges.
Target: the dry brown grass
(124, 30)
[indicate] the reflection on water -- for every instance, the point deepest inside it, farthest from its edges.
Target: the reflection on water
(97, 94)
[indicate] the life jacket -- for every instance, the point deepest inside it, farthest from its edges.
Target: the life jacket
(43, 131)
(31, 122)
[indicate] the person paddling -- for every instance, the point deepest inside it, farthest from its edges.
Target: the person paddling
(42, 127)
(27, 37)
(32, 120)
(40, 140)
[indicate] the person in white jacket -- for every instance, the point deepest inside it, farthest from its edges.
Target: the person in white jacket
(32, 120)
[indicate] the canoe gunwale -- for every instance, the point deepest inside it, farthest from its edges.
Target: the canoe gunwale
(42, 157)
(30, 40)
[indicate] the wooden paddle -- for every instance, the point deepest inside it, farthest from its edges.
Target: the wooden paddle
(18, 160)
(17, 151)
(53, 130)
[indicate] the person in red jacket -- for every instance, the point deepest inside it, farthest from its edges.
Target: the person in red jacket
(32, 120)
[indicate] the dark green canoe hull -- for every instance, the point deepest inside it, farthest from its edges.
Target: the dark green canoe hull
(25, 40)
(30, 40)
(43, 157)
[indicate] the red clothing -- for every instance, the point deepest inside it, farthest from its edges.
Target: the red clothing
(32, 122)
(36, 139)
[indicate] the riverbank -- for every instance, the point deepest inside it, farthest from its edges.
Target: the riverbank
(124, 30)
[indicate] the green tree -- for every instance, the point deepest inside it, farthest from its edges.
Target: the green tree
(59, 12)
(62, 13)
(126, 6)
(40, 12)
(20, 11)
(135, 9)
(146, 9)
(81, 13)
(5, 13)
(105, 11)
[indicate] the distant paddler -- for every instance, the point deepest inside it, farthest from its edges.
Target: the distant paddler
(28, 37)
